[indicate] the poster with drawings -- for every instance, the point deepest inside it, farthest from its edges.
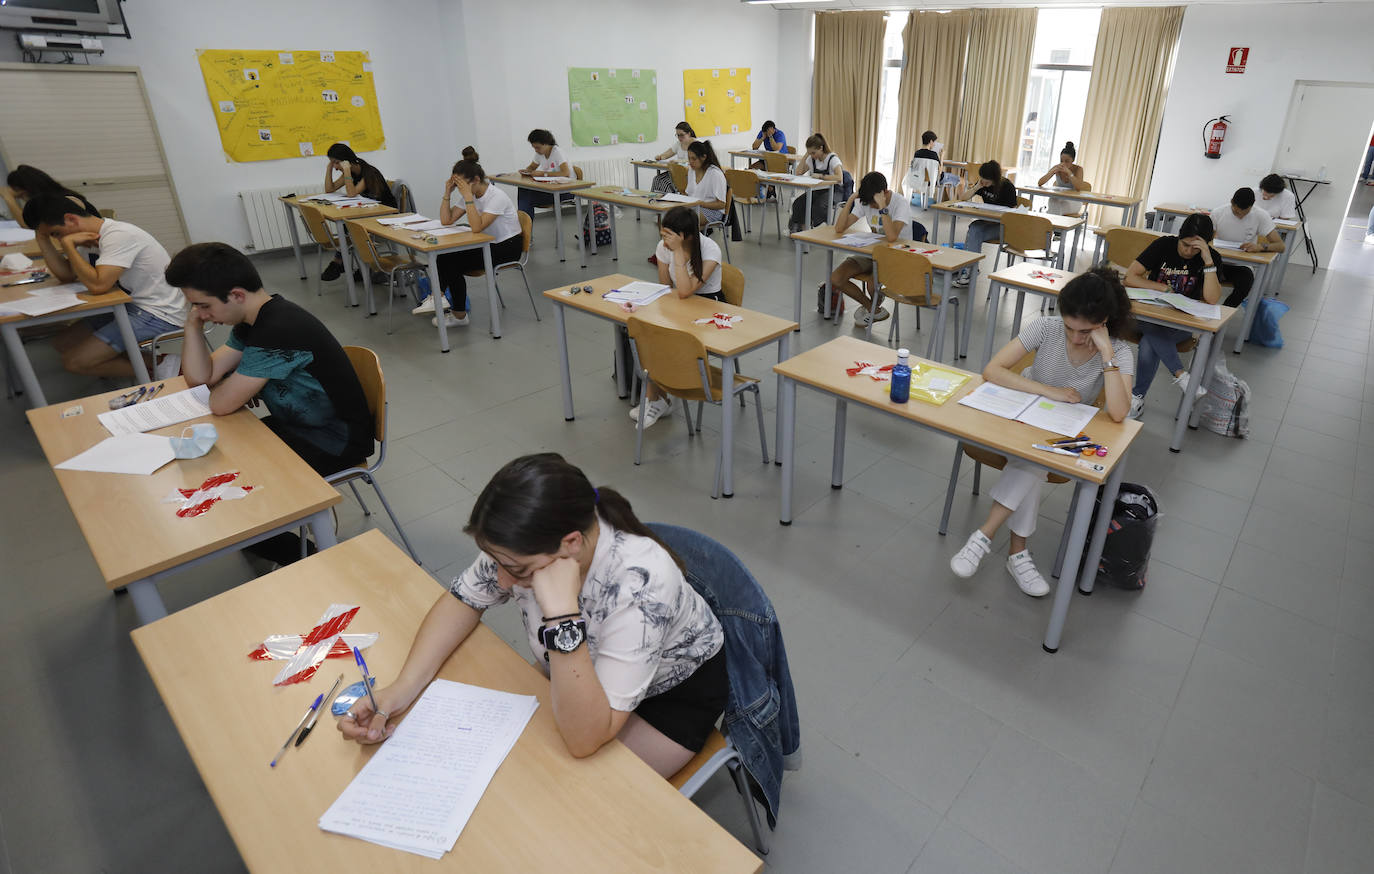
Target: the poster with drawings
(716, 100)
(274, 104)
(611, 105)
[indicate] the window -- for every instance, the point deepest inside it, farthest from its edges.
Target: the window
(1057, 93)
(892, 79)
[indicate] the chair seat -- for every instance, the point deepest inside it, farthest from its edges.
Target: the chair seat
(715, 742)
(389, 263)
(998, 462)
(921, 300)
(505, 265)
(1033, 254)
(713, 373)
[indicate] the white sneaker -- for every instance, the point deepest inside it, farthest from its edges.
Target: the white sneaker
(861, 316)
(167, 366)
(881, 314)
(1022, 569)
(656, 410)
(426, 308)
(450, 321)
(961, 281)
(634, 413)
(1184, 379)
(965, 561)
(1137, 406)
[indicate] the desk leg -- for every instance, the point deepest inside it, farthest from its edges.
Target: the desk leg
(322, 527)
(936, 348)
(126, 333)
(806, 222)
(436, 297)
(1099, 532)
(367, 291)
(147, 601)
(1252, 304)
(1185, 409)
(877, 299)
(935, 231)
(1016, 316)
(577, 231)
(558, 225)
(1097, 250)
(994, 300)
(837, 453)
(23, 365)
(560, 317)
(346, 254)
(727, 427)
(1077, 241)
(295, 237)
(796, 308)
(493, 297)
(784, 353)
(829, 292)
(615, 236)
(1082, 508)
(787, 415)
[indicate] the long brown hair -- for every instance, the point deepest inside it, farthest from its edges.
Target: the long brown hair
(683, 220)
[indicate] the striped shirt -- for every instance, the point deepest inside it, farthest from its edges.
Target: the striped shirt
(1047, 339)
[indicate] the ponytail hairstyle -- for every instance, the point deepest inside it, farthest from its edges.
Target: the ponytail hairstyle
(535, 501)
(707, 155)
(686, 128)
(469, 169)
(1069, 150)
(683, 220)
(816, 141)
(1098, 297)
(1198, 224)
(374, 183)
(33, 182)
(541, 137)
(469, 153)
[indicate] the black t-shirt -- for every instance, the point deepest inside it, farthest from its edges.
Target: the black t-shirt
(1001, 194)
(377, 189)
(312, 390)
(925, 153)
(1162, 263)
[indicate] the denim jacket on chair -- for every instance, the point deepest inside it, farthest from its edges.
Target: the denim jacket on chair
(761, 712)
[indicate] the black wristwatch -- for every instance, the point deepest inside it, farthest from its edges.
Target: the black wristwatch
(564, 637)
(883, 211)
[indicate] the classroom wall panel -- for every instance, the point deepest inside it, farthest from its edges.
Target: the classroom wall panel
(1322, 42)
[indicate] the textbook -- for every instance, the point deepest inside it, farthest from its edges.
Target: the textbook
(1200, 309)
(1035, 410)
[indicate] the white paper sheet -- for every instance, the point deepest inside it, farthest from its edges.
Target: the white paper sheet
(426, 225)
(126, 453)
(1197, 308)
(862, 238)
(64, 288)
(394, 220)
(1225, 244)
(1061, 418)
(554, 179)
(998, 400)
(445, 232)
(638, 293)
(674, 197)
(40, 304)
(10, 236)
(419, 789)
(159, 412)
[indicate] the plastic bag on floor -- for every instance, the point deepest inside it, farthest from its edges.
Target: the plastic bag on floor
(1225, 409)
(1265, 330)
(1125, 561)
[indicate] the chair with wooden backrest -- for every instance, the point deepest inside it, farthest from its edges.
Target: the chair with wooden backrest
(732, 284)
(1124, 245)
(791, 150)
(1025, 236)
(391, 265)
(679, 174)
(747, 192)
(906, 278)
(322, 234)
(405, 200)
(526, 228)
(1023, 201)
(724, 222)
(369, 370)
(774, 162)
(675, 360)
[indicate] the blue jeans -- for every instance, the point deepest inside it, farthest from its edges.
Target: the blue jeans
(527, 200)
(1158, 344)
(980, 232)
(146, 326)
(1368, 163)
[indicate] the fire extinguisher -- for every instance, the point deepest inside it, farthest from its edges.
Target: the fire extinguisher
(1213, 133)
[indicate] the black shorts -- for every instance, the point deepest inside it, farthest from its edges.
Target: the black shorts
(688, 712)
(718, 297)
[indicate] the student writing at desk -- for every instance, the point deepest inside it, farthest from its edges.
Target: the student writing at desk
(487, 210)
(452, 210)
(683, 136)
(706, 181)
(993, 188)
(278, 353)
(129, 257)
(630, 648)
(357, 178)
(1078, 355)
(1187, 265)
(548, 161)
(823, 164)
(1276, 199)
(873, 200)
(1242, 222)
(27, 182)
(1068, 176)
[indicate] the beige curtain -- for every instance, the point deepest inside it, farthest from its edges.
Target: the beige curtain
(1132, 66)
(995, 77)
(932, 81)
(848, 84)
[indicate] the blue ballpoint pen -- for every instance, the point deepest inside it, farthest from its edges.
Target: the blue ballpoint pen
(367, 679)
(284, 747)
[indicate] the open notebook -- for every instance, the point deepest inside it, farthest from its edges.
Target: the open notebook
(1179, 302)
(1035, 410)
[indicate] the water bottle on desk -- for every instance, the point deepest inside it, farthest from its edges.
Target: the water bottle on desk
(901, 377)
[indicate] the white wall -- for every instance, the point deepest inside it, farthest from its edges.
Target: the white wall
(1323, 42)
(796, 48)
(422, 97)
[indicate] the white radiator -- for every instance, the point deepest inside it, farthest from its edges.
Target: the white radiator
(609, 171)
(267, 228)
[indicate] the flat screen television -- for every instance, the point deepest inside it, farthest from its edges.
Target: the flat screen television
(95, 17)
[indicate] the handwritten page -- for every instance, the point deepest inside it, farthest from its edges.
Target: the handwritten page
(41, 304)
(159, 412)
(127, 453)
(420, 788)
(1197, 308)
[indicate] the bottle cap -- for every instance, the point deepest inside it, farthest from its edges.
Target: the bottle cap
(903, 354)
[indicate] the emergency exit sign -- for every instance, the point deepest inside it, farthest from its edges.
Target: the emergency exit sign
(1236, 60)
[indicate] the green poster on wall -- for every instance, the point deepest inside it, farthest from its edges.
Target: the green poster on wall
(611, 105)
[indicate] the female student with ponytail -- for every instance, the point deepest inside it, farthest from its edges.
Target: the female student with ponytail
(358, 179)
(1068, 176)
(630, 648)
(993, 188)
(487, 210)
(27, 182)
(823, 164)
(706, 180)
(548, 161)
(677, 154)
(1078, 353)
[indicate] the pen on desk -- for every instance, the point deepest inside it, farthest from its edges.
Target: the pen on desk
(152, 392)
(300, 738)
(367, 679)
(1054, 449)
(281, 752)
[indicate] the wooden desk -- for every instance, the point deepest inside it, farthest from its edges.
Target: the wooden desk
(606, 813)
(1129, 206)
(823, 369)
(758, 154)
(338, 215)
(1288, 233)
(945, 261)
(1260, 262)
(112, 301)
(557, 189)
(1020, 279)
(756, 330)
(638, 200)
(137, 540)
(808, 184)
(29, 248)
(656, 165)
(429, 253)
(955, 208)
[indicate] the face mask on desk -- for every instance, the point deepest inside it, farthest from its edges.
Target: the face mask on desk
(201, 439)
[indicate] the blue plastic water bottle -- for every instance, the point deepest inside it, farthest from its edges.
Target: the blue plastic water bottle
(901, 377)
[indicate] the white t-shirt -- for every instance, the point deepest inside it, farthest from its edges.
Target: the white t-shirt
(712, 185)
(1256, 224)
(647, 628)
(1062, 205)
(498, 203)
(679, 155)
(1281, 206)
(898, 210)
(549, 166)
(144, 262)
(710, 251)
(828, 166)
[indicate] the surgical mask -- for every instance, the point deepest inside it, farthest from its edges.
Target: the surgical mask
(201, 439)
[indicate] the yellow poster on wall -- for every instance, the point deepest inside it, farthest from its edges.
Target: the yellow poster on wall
(270, 105)
(716, 100)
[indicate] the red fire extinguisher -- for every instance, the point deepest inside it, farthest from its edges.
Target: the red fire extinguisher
(1213, 133)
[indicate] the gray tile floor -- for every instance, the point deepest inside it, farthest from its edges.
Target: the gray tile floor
(1217, 721)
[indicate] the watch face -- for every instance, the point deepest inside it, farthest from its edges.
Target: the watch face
(567, 637)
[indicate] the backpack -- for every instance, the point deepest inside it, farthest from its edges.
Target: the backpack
(846, 187)
(1225, 409)
(598, 217)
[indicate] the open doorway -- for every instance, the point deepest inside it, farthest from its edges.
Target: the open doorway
(1354, 252)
